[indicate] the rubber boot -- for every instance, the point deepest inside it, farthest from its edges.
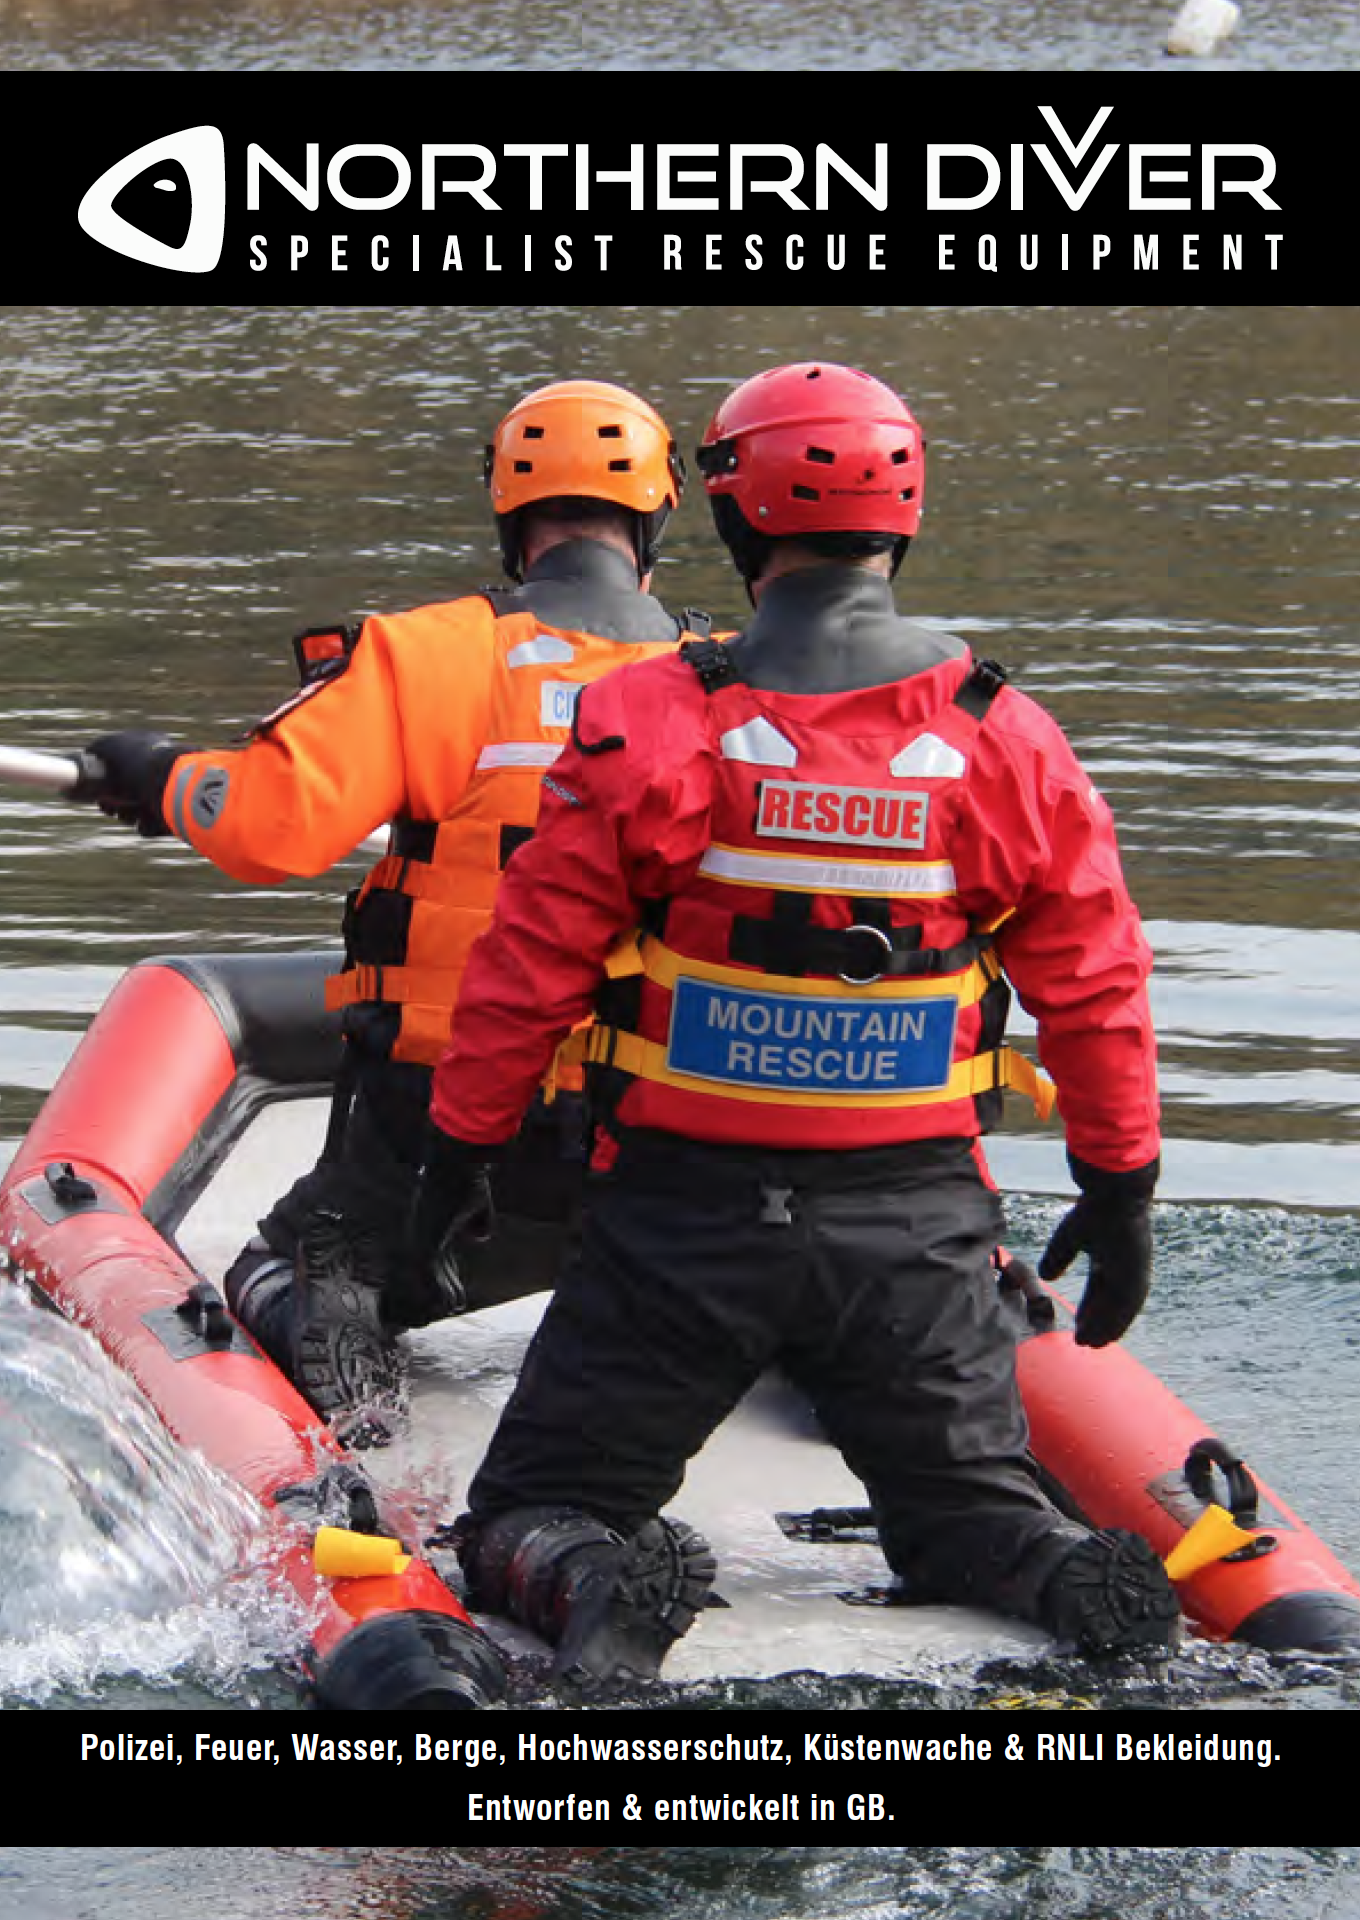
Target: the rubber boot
(259, 1290)
(1111, 1595)
(343, 1356)
(625, 1617)
(610, 1607)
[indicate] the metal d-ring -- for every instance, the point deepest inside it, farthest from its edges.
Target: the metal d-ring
(868, 979)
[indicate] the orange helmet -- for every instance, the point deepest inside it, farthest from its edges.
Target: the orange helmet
(584, 440)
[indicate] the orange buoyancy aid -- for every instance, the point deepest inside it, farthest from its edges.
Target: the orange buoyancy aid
(409, 928)
(818, 983)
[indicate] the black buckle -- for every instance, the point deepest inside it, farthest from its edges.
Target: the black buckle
(721, 457)
(981, 686)
(68, 1189)
(711, 661)
(205, 1311)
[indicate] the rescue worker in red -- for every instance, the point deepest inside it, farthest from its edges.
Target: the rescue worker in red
(443, 721)
(826, 847)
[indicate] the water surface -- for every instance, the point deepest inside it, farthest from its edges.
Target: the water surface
(703, 1883)
(753, 35)
(1151, 516)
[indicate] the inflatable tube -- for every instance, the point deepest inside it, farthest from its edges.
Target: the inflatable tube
(174, 1068)
(163, 1082)
(1121, 1450)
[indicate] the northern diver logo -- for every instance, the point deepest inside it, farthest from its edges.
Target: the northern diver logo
(192, 174)
(209, 798)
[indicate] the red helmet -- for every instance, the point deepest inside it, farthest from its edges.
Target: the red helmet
(814, 448)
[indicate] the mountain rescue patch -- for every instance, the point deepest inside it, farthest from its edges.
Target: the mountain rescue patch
(859, 816)
(767, 1041)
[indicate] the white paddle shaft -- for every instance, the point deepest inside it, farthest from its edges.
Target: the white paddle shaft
(59, 772)
(50, 772)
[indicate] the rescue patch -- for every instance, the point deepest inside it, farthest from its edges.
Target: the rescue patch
(557, 702)
(862, 816)
(771, 1041)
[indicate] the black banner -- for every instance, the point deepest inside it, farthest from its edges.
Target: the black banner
(427, 188)
(659, 1778)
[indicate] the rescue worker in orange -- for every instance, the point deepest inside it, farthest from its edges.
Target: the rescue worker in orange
(443, 721)
(827, 844)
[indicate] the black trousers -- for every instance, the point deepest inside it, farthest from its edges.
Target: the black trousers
(370, 1178)
(865, 1276)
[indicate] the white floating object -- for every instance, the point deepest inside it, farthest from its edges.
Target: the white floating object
(1201, 25)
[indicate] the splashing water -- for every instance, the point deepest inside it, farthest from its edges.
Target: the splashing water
(107, 1525)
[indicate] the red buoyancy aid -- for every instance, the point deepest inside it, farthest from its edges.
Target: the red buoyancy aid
(818, 983)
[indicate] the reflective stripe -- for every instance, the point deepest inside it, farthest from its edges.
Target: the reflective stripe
(929, 758)
(183, 781)
(759, 744)
(931, 879)
(518, 753)
(544, 650)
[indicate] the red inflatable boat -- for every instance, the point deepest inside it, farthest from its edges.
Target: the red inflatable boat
(171, 1071)
(182, 1058)
(1121, 1450)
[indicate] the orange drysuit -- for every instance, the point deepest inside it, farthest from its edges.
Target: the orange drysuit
(442, 721)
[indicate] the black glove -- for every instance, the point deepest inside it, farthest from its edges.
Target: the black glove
(1112, 1222)
(129, 784)
(452, 1207)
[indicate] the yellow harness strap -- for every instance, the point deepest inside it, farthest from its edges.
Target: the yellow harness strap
(663, 966)
(630, 1053)
(593, 1044)
(466, 883)
(401, 986)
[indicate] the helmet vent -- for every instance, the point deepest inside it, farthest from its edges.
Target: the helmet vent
(900, 456)
(533, 433)
(610, 433)
(524, 466)
(823, 455)
(620, 466)
(804, 493)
